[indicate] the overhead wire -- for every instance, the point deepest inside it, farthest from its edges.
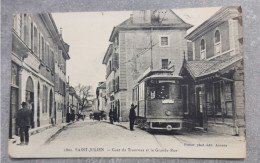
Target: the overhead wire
(149, 47)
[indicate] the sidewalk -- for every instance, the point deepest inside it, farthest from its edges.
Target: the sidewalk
(193, 132)
(40, 135)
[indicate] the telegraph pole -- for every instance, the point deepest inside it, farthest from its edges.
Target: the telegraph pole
(151, 42)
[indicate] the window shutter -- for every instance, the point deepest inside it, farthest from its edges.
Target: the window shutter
(56, 82)
(59, 57)
(118, 83)
(40, 47)
(116, 60)
(114, 85)
(29, 31)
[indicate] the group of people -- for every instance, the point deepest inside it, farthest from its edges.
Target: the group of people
(23, 120)
(113, 115)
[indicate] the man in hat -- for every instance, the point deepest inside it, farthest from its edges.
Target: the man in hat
(23, 121)
(132, 116)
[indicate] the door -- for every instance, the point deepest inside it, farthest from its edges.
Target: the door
(29, 97)
(13, 130)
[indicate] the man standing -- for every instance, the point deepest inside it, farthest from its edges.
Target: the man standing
(132, 116)
(111, 114)
(23, 121)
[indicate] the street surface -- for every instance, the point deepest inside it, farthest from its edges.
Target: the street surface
(91, 138)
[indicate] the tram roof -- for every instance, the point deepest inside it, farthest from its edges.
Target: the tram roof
(161, 74)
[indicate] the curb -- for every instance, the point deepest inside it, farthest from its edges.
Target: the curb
(38, 130)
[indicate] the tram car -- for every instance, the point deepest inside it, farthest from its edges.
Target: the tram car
(159, 101)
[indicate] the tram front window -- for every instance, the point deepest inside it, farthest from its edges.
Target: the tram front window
(164, 91)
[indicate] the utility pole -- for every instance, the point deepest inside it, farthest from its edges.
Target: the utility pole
(151, 42)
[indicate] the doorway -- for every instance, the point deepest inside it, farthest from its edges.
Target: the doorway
(29, 98)
(199, 107)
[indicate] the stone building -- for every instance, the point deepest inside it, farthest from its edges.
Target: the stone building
(73, 101)
(101, 100)
(60, 109)
(214, 80)
(35, 41)
(148, 40)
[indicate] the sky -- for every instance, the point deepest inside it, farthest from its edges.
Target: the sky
(88, 34)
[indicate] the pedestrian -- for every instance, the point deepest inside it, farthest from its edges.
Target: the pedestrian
(132, 116)
(23, 122)
(111, 114)
(115, 115)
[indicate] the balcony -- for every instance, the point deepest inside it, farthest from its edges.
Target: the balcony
(18, 46)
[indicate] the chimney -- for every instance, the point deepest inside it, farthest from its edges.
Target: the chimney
(141, 17)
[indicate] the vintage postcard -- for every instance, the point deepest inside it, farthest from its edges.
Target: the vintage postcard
(150, 83)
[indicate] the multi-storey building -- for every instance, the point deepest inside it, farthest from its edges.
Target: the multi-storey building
(73, 101)
(60, 109)
(101, 101)
(35, 41)
(215, 78)
(147, 41)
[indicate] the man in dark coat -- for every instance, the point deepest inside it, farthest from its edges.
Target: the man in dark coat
(23, 121)
(111, 114)
(115, 115)
(132, 116)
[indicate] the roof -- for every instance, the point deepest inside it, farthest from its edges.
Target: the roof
(196, 68)
(202, 68)
(128, 24)
(161, 74)
(223, 14)
(108, 54)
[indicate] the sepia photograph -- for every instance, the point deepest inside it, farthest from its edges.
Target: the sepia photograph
(165, 83)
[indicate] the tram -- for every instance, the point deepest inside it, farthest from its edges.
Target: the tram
(159, 101)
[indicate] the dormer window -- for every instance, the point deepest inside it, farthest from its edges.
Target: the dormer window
(202, 49)
(217, 43)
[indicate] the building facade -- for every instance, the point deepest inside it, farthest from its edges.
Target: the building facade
(214, 80)
(149, 40)
(101, 99)
(73, 102)
(34, 42)
(60, 109)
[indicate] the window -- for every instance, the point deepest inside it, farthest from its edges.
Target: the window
(14, 75)
(164, 63)
(141, 91)
(17, 24)
(217, 43)
(164, 41)
(202, 49)
(25, 35)
(51, 59)
(47, 55)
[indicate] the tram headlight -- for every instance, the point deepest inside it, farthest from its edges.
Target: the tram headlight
(168, 113)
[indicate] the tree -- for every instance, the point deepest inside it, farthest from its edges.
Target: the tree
(84, 93)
